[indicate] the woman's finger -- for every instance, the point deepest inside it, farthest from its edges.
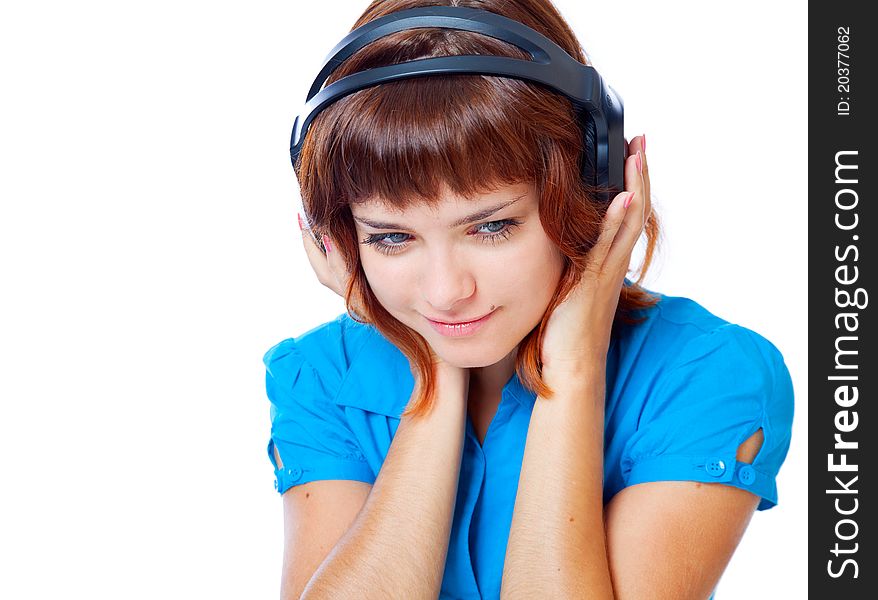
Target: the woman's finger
(612, 222)
(339, 269)
(318, 260)
(647, 208)
(631, 228)
(617, 219)
(336, 264)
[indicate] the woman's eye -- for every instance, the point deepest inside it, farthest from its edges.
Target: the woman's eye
(498, 230)
(380, 242)
(490, 232)
(393, 239)
(494, 224)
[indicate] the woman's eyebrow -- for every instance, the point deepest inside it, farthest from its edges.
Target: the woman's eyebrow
(482, 214)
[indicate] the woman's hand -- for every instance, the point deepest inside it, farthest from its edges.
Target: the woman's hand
(329, 267)
(578, 332)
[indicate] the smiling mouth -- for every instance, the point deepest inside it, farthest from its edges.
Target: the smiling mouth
(459, 322)
(460, 328)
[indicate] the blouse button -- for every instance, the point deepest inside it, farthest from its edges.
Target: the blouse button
(295, 473)
(746, 474)
(715, 467)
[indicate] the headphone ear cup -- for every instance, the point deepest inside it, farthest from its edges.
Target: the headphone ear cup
(588, 162)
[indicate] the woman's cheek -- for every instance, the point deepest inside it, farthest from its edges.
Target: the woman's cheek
(532, 258)
(389, 284)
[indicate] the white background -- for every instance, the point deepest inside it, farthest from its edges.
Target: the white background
(149, 256)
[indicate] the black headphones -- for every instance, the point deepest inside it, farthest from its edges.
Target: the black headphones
(599, 108)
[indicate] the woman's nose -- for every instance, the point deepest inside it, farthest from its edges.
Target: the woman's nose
(445, 283)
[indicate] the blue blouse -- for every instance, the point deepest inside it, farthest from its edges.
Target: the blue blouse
(684, 389)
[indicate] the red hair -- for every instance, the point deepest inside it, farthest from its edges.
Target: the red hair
(404, 141)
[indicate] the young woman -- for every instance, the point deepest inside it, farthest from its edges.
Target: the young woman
(501, 412)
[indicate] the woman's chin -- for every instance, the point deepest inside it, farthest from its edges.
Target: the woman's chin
(471, 359)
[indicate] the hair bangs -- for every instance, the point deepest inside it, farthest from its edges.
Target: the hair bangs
(406, 141)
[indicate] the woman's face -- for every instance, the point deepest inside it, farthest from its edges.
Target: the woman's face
(461, 261)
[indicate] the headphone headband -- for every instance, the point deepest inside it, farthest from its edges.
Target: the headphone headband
(595, 101)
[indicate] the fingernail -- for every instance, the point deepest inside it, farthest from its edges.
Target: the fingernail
(326, 243)
(643, 143)
(628, 199)
(639, 163)
(298, 216)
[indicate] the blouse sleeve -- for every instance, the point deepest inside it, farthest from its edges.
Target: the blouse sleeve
(308, 428)
(725, 385)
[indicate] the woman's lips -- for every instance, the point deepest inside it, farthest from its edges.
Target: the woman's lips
(461, 329)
